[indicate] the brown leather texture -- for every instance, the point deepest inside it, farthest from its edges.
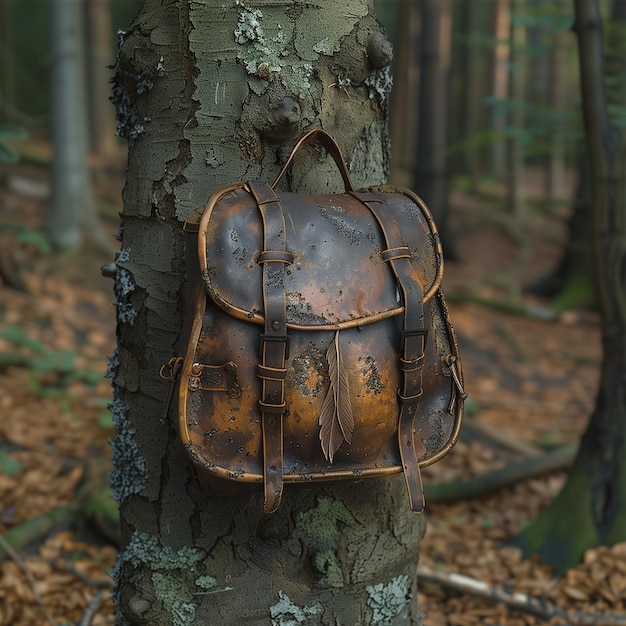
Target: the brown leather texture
(321, 347)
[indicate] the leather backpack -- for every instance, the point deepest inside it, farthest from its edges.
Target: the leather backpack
(320, 346)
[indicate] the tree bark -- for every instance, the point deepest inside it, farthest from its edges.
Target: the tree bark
(209, 93)
(571, 284)
(101, 57)
(72, 212)
(500, 81)
(7, 62)
(594, 495)
(430, 172)
(515, 150)
(470, 89)
(556, 168)
(405, 97)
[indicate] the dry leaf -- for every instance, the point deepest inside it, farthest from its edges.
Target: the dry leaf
(336, 419)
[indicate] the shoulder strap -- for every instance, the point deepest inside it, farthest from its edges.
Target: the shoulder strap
(274, 342)
(412, 346)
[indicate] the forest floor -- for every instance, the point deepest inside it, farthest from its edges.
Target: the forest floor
(531, 382)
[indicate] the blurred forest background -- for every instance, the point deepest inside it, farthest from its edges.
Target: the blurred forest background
(485, 124)
(484, 93)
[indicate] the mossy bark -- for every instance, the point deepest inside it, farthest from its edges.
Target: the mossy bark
(209, 93)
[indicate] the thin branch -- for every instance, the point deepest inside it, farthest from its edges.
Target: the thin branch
(513, 306)
(67, 566)
(30, 531)
(6, 546)
(90, 610)
(517, 601)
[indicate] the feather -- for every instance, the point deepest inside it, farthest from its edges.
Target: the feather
(336, 419)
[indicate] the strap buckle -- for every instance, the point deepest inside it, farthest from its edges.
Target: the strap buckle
(413, 332)
(286, 339)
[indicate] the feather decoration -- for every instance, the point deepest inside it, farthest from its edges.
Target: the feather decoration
(336, 419)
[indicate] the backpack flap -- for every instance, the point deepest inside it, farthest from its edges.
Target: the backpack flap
(337, 278)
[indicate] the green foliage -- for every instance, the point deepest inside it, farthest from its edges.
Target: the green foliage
(548, 30)
(33, 238)
(42, 360)
(10, 132)
(578, 292)
(61, 361)
(8, 465)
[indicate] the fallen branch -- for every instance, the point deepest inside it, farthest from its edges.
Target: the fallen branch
(29, 577)
(90, 610)
(517, 601)
(510, 474)
(98, 583)
(515, 307)
(32, 530)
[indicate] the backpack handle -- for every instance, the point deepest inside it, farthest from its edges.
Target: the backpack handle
(322, 138)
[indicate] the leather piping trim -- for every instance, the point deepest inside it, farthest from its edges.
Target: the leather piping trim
(296, 477)
(255, 317)
(198, 306)
(206, 218)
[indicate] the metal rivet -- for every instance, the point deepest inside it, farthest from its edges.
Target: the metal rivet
(275, 325)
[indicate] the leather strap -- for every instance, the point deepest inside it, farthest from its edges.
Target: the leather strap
(412, 347)
(274, 343)
(322, 138)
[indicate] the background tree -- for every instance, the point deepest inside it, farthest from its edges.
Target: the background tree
(591, 508)
(430, 173)
(7, 61)
(72, 209)
(209, 93)
(100, 57)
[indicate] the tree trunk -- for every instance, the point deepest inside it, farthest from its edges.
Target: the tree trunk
(571, 284)
(515, 150)
(556, 170)
(500, 82)
(405, 96)
(72, 210)
(7, 62)
(429, 174)
(101, 57)
(469, 90)
(209, 93)
(594, 497)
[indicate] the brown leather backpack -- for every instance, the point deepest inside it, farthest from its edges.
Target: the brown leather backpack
(320, 346)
